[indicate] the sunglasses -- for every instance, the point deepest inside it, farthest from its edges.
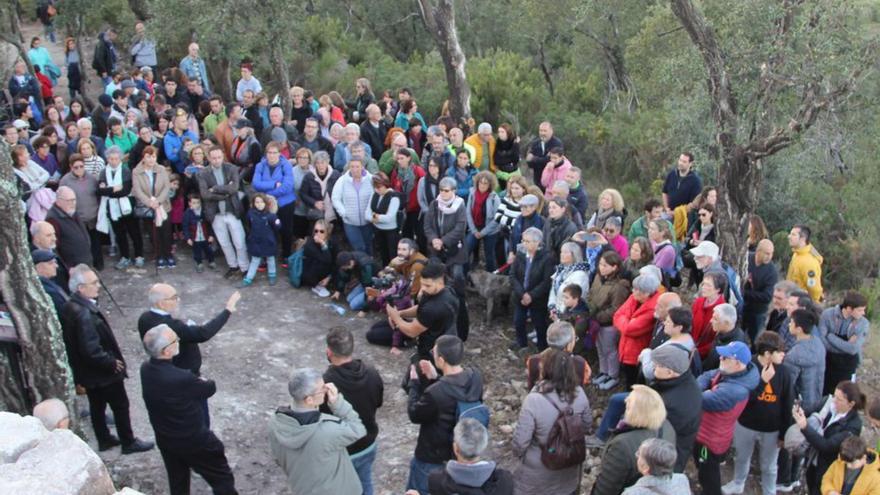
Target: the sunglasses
(445, 190)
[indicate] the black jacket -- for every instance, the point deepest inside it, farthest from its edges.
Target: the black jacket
(495, 480)
(318, 262)
(540, 158)
(190, 358)
(362, 387)
(300, 115)
(682, 397)
(712, 361)
(74, 244)
(827, 445)
(92, 350)
(506, 155)
(769, 406)
(374, 137)
(435, 411)
(102, 60)
(319, 144)
(556, 233)
(758, 287)
(174, 398)
(310, 190)
(56, 293)
(539, 277)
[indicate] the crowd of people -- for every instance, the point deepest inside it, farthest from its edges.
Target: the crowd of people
(363, 202)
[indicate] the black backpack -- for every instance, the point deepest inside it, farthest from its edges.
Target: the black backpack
(565, 445)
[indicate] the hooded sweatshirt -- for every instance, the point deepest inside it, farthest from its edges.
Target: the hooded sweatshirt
(435, 411)
(362, 385)
(480, 478)
(310, 447)
(805, 270)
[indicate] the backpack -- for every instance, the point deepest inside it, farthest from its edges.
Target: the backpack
(734, 294)
(674, 274)
(295, 262)
(565, 445)
(474, 410)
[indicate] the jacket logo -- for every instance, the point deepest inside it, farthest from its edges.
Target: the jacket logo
(768, 395)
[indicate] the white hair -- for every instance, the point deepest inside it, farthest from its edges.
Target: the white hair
(559, 335)
(155, 295)
(353, 127)
(303, 383)
(646, 283)
(534, 234)
(726, 312)
(157, 339)
(78, 276)
(83, 121)
(113, 150)
(561, 184)
(471, 437)
(484, 128)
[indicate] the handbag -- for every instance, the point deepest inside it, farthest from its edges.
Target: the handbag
(314, 214)
(144, 211)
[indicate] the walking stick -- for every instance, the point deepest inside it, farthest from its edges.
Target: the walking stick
(110, 294)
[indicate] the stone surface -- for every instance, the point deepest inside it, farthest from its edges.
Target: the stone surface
(60, 464)
(18, 434)
(128, 491)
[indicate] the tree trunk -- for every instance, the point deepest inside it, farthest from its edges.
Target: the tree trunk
(43, 356)
(282, 78)
(440, 22)
(741, 180)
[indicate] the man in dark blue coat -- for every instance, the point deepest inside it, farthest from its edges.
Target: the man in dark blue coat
(47, 269)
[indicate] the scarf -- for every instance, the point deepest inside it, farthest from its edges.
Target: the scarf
(478, 211)
(557, 230)
(449, 207)
(432, 186)
(461, 174)
(116, 207)
(329, 214)
(602, 216)
(563, 271)
(407, 180)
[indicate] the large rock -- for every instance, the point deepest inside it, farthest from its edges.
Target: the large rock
(60, 464)
(128, 491)
(18, 434)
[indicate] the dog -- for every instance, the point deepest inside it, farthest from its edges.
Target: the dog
(494, 288)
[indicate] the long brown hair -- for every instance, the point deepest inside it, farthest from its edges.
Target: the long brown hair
(557, 373)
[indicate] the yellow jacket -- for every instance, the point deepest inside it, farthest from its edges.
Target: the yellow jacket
(805, 270)
(475, 141)
(868, 482)
(680, 222)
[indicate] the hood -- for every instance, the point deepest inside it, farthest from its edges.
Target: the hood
(472, 475)
(289, 431)
(354, 372)
(662, 385)
(466, 386)
(810, 250)
(748, 378)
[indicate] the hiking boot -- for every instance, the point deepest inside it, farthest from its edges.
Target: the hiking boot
(172, 263)
(161, 263)
(229, 273)
(599, 380)
(320, 291)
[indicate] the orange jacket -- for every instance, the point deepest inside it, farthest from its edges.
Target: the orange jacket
(474, 140)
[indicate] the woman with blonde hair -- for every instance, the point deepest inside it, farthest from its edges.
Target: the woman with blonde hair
(644, 418)
(365, 98)
(610, 205)
(300, 110)
(482, 203)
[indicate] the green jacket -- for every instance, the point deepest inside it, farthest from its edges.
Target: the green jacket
(387, 161)
(639, 228)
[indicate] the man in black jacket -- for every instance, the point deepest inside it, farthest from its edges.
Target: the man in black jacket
(165, 301)
(362, 385)
(681, 394)
(726, 331)
(47, 269)
(97, 361)
(174, 399)
(104, 60)
(435, 408)
(766, 417)
(74, 242)
(539, 151)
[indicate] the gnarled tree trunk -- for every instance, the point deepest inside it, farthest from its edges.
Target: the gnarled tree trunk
(44, 358)
(439, 19)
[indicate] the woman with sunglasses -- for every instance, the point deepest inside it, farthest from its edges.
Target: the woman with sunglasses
(702, 230)
(318, 257)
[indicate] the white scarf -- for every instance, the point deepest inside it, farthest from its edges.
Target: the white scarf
(118, 207)
(329, 213)
(450, 207)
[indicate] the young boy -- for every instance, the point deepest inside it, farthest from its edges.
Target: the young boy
(198, 234)
(576, 312)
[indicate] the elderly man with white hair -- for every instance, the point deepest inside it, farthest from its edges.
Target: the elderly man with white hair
(278, 130)
(311, 446)
(53, 414)
(484, 145)
(343, 154)
(97, 362)
(634, 319)
(75, 246)
(194, 66)
(373, 130)
(724, 322)
(174, 398)
(560, 336)
(84, 126)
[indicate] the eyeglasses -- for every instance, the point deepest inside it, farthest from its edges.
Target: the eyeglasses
(175, 297)
(176, 340)
(445, 190)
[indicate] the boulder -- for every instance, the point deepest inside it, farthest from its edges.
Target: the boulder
(60, 464)
(18, 434)
(128, 491)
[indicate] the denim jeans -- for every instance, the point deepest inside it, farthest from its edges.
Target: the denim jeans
(357, 298)
(363, 464)
(255, 263)
(488, 249)
(613, 414)
(360, 238)
(418, 475)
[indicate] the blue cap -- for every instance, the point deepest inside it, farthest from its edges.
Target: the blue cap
(736, 350)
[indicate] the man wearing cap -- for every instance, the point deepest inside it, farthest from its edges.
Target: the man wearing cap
(707, 257)
(20, 134)
(173, 140)
(484, 144)
(528, 218)
(726, 392)
(677, 386)
(47, 269)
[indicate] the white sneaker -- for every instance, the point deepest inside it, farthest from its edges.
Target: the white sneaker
(733, 488)
(787, 488)
(320, 291)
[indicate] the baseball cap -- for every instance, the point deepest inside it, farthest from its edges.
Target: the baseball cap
(20, 124)
(706, 248)
(673, 357)
(42, 255)
(736, 350)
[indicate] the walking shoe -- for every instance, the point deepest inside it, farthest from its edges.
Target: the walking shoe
(199, 268)
(272, 281)
(320, 291)
(212, 265)
(137, 446)
(122, 264)
(514, 346)
(139, 262)
(787, 487)
(161, 263)
(245, 283)
(172, 263)
(599, 380)
(608, 384)
(733, 488)
(594, 442)
(232, 271)
(109, 443)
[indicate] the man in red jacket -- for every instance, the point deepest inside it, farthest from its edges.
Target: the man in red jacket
(634, 319)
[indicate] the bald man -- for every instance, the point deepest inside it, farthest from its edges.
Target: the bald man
(164, 304)
(665, 302)
(43, 237)
(758, 289)
(53, 414)
(74, 245)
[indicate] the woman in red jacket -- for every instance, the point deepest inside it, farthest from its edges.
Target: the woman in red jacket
(712, 287)
(635, 322)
